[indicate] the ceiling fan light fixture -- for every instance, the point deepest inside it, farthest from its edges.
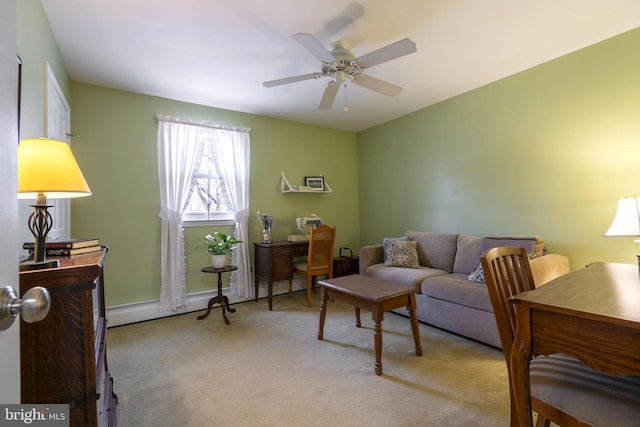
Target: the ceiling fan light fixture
(340, 64)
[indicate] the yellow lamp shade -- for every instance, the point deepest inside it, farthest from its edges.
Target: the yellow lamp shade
(47, 166)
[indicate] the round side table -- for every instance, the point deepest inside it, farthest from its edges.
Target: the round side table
(220, 299)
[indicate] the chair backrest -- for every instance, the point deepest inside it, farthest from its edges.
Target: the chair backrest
(321, 244)
(507, 273)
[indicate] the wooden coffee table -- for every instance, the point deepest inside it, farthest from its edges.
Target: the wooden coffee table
(374, 295)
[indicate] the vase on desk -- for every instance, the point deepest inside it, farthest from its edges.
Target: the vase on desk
(266, 235)
(267, 222)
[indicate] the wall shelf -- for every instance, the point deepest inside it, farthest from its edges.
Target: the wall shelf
(286, 187)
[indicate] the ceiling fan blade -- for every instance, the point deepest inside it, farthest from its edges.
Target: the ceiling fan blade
(387, 53)
(329, 95)
(294, 79)
(376, 85)
(316, 48)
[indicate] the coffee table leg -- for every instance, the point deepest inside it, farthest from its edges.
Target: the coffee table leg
(358, 323)
(324, 297)
(377, 339)
(414, 324)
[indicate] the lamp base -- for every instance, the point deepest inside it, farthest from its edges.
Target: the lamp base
(32, 265)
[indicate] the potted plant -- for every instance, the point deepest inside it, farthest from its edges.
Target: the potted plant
(218, 246)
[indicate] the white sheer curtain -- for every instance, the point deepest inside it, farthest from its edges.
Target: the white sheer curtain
(232, 160)
(178, 147)
(177, 154)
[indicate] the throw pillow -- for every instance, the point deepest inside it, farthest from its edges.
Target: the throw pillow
(385, 243)
(477, 275)
(402, 253)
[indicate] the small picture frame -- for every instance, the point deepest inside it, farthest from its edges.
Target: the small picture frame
(315, 182)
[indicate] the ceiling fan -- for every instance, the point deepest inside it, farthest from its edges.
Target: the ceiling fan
(341, 64)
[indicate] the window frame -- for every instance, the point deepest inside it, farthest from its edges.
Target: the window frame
(209, 218)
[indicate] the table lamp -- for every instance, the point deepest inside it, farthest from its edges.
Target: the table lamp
(626, 222)
(46, 169)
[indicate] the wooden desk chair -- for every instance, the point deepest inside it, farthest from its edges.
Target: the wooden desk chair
(319, 259)
(564, 390)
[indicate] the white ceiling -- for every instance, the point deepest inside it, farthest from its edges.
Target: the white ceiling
(218, 52)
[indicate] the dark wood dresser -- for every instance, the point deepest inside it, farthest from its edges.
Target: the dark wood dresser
(64, 357)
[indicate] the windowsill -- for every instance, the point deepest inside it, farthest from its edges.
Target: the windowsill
(208, 223)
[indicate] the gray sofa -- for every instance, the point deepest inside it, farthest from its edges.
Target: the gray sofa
(445, 296)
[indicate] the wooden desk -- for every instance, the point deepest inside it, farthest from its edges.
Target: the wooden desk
(592, 314)
(273, 263)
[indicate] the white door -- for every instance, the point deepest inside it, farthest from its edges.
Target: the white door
(57, 119)
(9, 249)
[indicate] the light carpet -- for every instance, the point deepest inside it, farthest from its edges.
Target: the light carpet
(269, 369)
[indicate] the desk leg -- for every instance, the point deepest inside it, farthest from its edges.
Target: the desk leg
(414, 324)
(324, 297)
(257, 282)
(377, 338)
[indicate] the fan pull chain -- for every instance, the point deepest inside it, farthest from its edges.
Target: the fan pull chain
(345, 96)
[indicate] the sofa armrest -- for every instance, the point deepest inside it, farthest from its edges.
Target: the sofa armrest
(548, 267)
(370, 255)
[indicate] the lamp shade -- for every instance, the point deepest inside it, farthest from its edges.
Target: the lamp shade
(627, 219)
(47, 166)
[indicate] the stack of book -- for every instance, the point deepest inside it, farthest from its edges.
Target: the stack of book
(63, 247)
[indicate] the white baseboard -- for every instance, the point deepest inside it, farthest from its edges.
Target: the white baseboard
(125, 314)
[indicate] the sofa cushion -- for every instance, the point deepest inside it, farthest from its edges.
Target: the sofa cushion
(436, 250)
(490, 242)
(401, 253)
(407, 276)
(457, 289)
(466, 253)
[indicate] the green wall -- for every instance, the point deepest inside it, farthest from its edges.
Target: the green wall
(544, 152)
(115, 144)
(36, 46)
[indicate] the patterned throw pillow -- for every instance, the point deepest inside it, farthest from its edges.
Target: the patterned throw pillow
(402, 253)
(477, 275)
(385, 244)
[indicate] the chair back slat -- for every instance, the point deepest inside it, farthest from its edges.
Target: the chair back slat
(507, 273)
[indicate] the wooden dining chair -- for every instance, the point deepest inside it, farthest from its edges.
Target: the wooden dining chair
(564, 390)
(319, 258)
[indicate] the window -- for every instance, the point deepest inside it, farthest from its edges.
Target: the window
(208, 196)
(218, 157)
